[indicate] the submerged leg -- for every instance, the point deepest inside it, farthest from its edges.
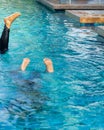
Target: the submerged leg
(5, 34)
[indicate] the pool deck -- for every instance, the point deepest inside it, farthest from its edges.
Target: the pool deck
(57, 5)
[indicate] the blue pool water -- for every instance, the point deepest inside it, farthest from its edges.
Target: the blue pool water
(71, 98)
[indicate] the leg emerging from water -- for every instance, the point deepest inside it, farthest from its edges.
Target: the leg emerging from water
(4, 40)
(49, 65)
(25, 63)
(5, 34)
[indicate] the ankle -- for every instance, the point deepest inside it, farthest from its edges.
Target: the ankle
(8, 20)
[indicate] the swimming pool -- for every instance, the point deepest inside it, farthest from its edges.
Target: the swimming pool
(71, 98)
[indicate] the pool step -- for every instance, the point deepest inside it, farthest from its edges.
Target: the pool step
(92, 19)
(100, 30)
(87, 16)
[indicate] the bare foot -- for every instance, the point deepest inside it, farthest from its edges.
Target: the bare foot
(49, 65)
(8, 20)
(25, 63)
